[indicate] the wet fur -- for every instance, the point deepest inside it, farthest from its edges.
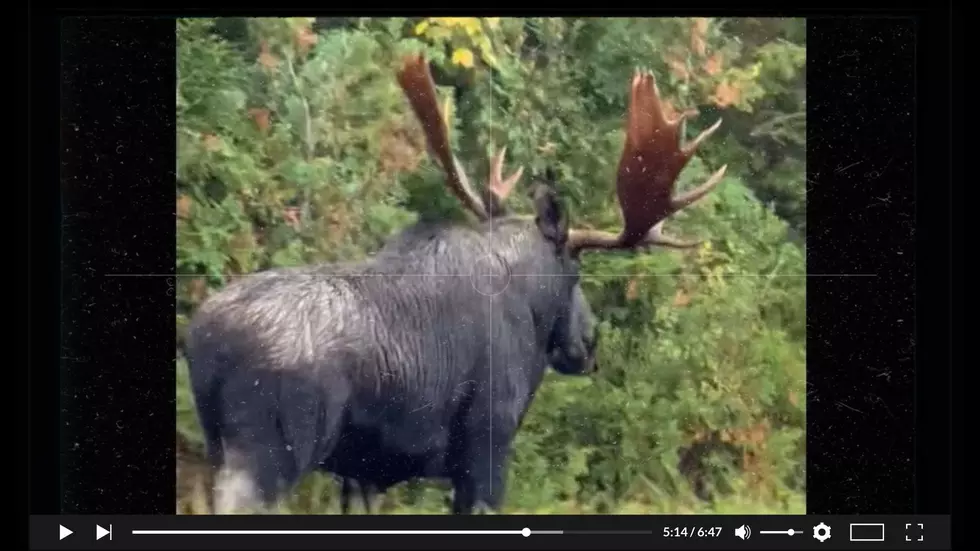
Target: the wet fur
(386, 370)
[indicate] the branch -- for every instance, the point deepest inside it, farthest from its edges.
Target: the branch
(306, 137)
(769, 127)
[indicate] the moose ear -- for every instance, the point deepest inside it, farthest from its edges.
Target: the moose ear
(549, 213)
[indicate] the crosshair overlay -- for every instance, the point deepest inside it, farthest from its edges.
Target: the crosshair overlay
(491, 275)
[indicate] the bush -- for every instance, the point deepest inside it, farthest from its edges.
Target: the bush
(700, 404)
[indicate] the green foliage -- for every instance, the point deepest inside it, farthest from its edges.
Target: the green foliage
(296, 147)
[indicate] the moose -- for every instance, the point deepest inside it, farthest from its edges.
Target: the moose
(423, 360)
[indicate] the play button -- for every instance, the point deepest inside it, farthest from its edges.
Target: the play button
(101, 532)
(63, 532)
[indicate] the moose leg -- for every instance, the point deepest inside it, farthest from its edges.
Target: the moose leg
(345, 494)
(248, 480)
(253, 463)
(484, 474)
(462, 496)
(369, 492)
(269, 445)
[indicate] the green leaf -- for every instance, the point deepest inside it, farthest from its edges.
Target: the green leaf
(688, 354)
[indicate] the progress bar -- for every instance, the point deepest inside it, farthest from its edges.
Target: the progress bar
(526, 532)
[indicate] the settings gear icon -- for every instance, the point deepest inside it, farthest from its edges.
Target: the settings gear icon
(821, 532)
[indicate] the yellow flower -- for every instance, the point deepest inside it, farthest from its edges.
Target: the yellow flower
(464, 57)
(448, 21)
(471, 25)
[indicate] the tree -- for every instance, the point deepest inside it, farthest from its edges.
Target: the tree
(295, 146)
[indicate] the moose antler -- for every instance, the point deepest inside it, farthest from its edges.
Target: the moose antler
(416, 81)
(499, 187)
(648, 169)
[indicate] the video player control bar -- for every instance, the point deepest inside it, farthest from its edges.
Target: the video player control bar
(242, 533)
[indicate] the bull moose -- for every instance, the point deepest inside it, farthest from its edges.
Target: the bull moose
(422, 360)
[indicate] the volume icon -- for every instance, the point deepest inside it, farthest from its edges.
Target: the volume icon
(743, 532)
